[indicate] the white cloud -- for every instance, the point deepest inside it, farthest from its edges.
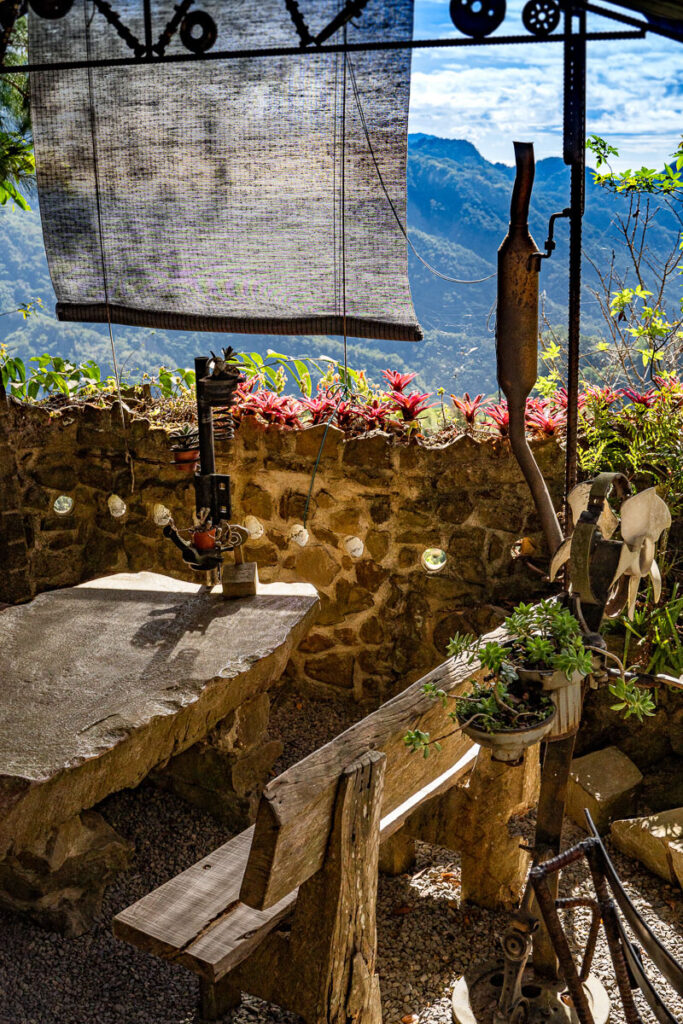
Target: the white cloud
(491, 95)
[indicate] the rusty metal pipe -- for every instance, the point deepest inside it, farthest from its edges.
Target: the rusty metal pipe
(517, 334)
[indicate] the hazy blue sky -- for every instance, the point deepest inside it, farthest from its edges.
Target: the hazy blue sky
(494, 94)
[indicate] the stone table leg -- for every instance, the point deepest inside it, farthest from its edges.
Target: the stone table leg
(226, 772)
(61, 879)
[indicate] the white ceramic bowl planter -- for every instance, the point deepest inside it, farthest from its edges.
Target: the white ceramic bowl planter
(510, 745)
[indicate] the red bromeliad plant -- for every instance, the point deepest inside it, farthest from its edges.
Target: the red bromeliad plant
(377, 413)
(349, 415)
(646, 398)
(560, 399)
(410, 406)
(321, 408)
(468, 406)
(602, 396)
(281, 410)
(500, 416)
(546, 420)
(398, 381)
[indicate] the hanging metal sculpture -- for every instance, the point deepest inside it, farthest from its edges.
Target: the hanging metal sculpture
(606, 567)
(213, 533)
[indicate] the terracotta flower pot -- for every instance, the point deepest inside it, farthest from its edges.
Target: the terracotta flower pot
(204, 540)
(187, 461)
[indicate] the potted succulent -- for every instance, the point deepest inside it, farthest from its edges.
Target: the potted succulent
(527, 676)
(185, 447)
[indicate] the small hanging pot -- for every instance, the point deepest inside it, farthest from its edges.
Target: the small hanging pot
(204, 540)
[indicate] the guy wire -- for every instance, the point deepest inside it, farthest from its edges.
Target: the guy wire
(105, 283)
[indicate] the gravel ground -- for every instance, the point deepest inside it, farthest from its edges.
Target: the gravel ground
(426, 938)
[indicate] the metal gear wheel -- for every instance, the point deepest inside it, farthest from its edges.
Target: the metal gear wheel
(477, 18)
(541, 17)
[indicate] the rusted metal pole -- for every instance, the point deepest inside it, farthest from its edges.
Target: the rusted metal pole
(575, 157)
(551, 805)
(517, 334)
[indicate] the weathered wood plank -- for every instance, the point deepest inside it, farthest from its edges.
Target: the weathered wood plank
(295, 813)
(180, 912)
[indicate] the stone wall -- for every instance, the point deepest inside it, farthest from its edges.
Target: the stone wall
(385, 620)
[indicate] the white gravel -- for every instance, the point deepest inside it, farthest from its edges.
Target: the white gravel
(426, 937)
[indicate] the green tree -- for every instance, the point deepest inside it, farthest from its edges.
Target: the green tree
(643, 340)
(17, 162)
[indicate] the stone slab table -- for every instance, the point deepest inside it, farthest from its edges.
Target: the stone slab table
(99, 685)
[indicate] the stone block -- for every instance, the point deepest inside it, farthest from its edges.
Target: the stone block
(377, 543)
(315, 565)
(370, 575)
(257, 502)
(372, 631)
(650, 840)
(335, 669)
(397, 854)
(61, 879)
(676, 851)
(310, 440)
(606, 784)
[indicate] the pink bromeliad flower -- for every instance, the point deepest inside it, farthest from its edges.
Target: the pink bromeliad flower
(467, 406)
(349, 415)
(560, 399)
(398, 381)
(604, 396)
(321, 408)
(410, 406)
(376, 413)
(546, 421)
(279, 409)
(500, 416)
(645, 398)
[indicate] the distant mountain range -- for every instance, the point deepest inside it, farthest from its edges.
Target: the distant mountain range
(458, 210)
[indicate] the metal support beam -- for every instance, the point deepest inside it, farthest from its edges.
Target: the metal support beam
(296, 51)
(575, 157)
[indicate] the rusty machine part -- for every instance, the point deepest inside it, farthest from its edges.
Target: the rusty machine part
(217, 379)
(517, 333)
(605, 572)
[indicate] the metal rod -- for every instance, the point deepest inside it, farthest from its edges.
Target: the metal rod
(207, 458)
(148, 28)
(545, 888)
(296, 51)
(551, 805)
(575, 156)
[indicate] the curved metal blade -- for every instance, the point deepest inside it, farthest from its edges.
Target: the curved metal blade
(633, 584)
(656, 577)
(645, 514)
(560, 557)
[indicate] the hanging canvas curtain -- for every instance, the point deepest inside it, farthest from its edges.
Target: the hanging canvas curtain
(226, 194)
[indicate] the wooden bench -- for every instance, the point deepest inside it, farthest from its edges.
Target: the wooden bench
(286, 910)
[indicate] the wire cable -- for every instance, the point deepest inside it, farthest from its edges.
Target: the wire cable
(404, 232)
(105, 282)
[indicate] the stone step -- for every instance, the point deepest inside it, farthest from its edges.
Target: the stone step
(606, 784)
(656, 841)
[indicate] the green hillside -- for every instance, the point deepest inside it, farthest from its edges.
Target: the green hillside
(458, 206)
